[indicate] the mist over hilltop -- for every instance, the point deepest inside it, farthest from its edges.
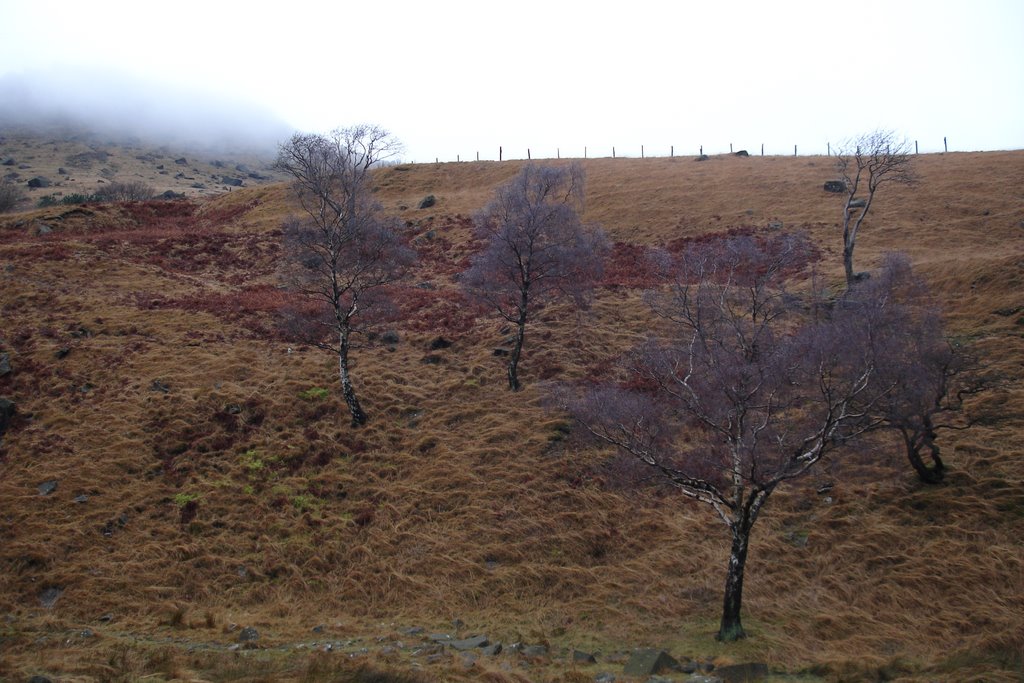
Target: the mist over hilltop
(128, 109)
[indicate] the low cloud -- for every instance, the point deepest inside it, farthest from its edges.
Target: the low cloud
(127, 108)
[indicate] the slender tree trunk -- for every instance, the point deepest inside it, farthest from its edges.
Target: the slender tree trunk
(517, 350)
(731, 627)
(848, 263)
(936, 472)
(358, 416)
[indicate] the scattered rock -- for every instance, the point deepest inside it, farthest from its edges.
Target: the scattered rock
(62, 352)
(428, 201)
(534, 651)
(702, 157)
(581, 657)
(649, 661)
(492, 650)
(604, 677)
(62, 171)
(836, 186)
(9, 161)
(470, 643)
(5, 364)
(390, 337)
(413, 631)
(750, 672)
(440, 343)
(233, 182)
(319, 628)
(49, 597)
(248, 635)
(47, 487)
(181, 162)
(501, 352)
(40, 679)
(39, 181)
(775, 225)
(858, 203)
(440, 637)
(107, 618)
(41, 229)
(426, 285)
(80, 499)
(160, 386)
(742, 153)
(170, 194)
(432, 359)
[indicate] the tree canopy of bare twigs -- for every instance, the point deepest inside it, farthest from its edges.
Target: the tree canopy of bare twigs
(343, 251)
(536, 249)
(866, 163)
(921, 376)
(744, 386)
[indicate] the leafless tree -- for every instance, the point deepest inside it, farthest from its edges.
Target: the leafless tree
(866, 163)
(921, 376)
(343, 251)
(537, 249)
(746, 386)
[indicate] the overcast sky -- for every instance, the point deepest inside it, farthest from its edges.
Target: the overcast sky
(457, 78)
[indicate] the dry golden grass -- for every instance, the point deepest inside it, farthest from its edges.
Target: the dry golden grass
(459, 500)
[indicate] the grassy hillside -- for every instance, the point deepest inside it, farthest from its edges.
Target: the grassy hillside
(76, 162)
(205, 484)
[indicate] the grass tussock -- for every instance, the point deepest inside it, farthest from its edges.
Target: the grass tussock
(208, 476)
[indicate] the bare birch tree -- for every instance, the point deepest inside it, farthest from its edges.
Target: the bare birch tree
(866, 163)
(343, 251)
(742, 390)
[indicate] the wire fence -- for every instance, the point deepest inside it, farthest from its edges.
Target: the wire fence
(503, 153)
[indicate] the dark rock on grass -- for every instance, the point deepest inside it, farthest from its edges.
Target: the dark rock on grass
(440, 343)
(431, 359)
(534, 651)
(470, 643)
(159, 385)
(63, 352)
(742, 153)
(581, 657)
(390, 337)
(499, 352)
(47, 487)
(649, 661)
(248, 635)
(232, 182)
(49, 597)
(39, 181)
(492, 650)
(5, 364)
(835, 186)
(428, 201)
(40, 679)
(702, 157)
(750, 672)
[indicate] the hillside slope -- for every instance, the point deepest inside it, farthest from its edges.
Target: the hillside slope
(200, 484)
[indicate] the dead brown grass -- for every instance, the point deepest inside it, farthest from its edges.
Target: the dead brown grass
(218, 494)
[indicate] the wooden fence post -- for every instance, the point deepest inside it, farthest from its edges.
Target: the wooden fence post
(558, 152)
(794, 150)
(915, 147)
(730, 148)
(672, 151)
(702, 150)
(641, 151)
(945, 143)
(499, 153)
(828, 149)
(613, 152)
(584, 151)
(762, 149)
